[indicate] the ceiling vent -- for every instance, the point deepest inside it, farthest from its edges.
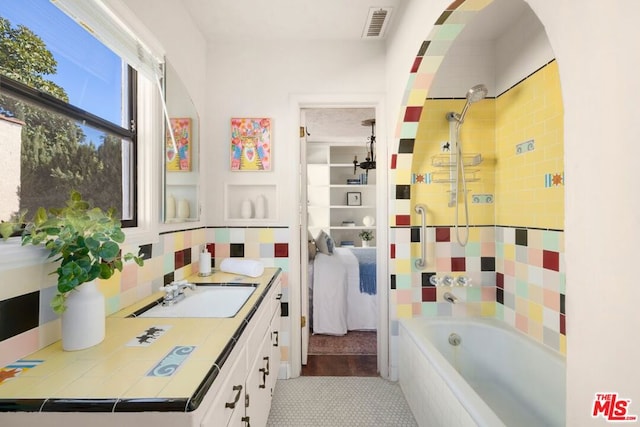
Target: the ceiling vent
(376, 24)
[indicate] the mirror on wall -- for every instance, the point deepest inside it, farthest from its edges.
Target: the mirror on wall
(181, 152)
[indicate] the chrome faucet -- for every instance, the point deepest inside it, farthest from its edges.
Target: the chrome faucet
(449, 297)
(174, 292)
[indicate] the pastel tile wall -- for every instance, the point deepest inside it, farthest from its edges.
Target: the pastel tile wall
(28, 323)
(525, 121)
(531, 283)
(530, 208)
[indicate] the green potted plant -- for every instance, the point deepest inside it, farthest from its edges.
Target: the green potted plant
(366, 236)
(86, 240)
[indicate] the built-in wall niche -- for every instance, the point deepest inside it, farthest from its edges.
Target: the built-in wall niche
(181, 160)
(250, 203)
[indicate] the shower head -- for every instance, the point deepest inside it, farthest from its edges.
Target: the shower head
(475, 94)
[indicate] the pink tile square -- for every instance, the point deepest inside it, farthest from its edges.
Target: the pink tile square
(509, 268)
(535, 257)
(223, 250)
(488, 293)
(487, 249)
(522, 323)
(404, 296)
(18, 346)
(129, 277)
(443, 264)
(551, 299)
(416, 308)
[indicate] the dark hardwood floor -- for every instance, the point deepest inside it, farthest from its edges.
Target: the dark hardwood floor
(341, 365)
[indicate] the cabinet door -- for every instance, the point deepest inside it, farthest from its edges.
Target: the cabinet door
(258, 389)
(229, 402)
(274, 335)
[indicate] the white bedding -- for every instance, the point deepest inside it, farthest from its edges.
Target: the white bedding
(338, 304)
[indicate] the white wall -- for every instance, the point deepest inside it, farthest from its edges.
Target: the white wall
(251, 80)
(595, 44)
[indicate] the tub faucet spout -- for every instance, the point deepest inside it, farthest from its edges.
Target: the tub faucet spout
(449, 297)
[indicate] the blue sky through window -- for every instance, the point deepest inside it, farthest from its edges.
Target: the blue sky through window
(89, 72)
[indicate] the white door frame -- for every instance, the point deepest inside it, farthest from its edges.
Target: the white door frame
(376, 101)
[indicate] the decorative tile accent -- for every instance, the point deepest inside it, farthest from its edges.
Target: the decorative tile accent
(17, 368)
(421, 178)
(553, 179)
(525, 147)
(149, 336)
(172, 361)
(482, 198)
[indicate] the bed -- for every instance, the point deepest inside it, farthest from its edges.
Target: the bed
(342, 289)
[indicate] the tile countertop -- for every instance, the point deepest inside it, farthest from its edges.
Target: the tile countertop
(134, 368)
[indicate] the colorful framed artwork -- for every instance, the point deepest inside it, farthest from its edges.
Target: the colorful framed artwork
(178, 148)
(251, 144)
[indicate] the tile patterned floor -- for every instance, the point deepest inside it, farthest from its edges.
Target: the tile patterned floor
(339, 401)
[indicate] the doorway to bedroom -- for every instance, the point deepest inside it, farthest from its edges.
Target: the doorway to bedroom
(339, 170)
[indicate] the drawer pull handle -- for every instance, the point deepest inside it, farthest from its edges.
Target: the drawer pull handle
(265, 372)
(238, 389)
(279, 297)
(275, 344)
(245, 420)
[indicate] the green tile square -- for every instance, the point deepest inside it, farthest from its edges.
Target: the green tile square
(222, 235)
(551, 240)
(522, 288)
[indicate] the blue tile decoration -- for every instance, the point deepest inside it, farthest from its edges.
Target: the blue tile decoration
(172, 361)
(526, 146)
(482, 198)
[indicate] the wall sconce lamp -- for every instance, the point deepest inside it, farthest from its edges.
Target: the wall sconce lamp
(370, 160)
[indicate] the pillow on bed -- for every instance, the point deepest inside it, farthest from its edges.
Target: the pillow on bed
(311, 244)
(325, 243)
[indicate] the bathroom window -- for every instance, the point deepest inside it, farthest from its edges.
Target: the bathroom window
(67, 113)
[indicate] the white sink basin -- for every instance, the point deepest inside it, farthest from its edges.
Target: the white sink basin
(205, 301)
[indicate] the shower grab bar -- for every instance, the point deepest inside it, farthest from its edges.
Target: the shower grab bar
(422, 262)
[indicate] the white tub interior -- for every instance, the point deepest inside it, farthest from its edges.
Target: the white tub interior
(498, 375)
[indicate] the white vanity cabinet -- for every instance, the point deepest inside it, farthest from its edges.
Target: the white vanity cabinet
(244, 395)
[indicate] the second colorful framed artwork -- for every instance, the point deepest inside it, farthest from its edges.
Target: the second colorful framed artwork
(178, 148)
(251, 144)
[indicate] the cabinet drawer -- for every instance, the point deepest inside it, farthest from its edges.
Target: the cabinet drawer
(230, 396)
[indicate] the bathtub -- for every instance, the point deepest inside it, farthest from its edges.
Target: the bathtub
(495, 376)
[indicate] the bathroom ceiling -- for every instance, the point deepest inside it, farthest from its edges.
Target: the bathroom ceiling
(221, 20)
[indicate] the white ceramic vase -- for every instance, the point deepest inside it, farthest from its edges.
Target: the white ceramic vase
(83, 322)
(261, 207)
(170, 207)
(246, 209)
(183, 209)
(365, 243)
